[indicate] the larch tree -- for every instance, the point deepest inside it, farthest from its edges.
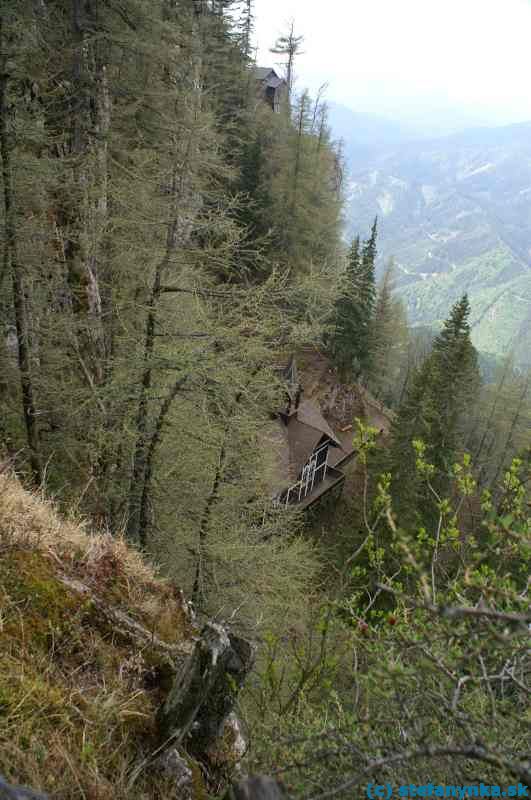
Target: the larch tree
(151, 300)
(289, 45)
(11, 21)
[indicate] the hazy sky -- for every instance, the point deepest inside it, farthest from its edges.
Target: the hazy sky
(411, 58)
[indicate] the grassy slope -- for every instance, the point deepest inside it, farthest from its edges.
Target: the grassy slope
(77, 699)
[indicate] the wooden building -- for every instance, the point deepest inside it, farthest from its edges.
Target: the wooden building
(271, 87)
(310, 451)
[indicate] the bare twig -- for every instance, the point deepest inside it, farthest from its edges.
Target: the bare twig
(464, 611)
(475, 752)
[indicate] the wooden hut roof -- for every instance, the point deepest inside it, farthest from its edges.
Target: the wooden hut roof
(261, 73)
(269, 77)
(300, 431)
(309, 414)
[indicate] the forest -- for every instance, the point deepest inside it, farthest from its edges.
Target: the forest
(170, 240)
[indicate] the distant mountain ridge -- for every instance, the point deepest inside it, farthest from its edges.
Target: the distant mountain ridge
(366, 135)
(455, 212)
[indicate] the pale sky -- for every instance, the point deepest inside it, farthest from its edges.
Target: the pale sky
(405, 58)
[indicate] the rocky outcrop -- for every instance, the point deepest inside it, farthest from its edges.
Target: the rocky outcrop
(204, 693)
(172, 763)
(9, 792)
(256, 787)
(196, 718)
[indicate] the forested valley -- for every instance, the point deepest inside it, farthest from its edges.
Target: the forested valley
(172, 240)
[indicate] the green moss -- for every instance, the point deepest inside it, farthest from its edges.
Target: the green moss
(77, 701)
(172, 624)
(198, 782)
(25, 692)
(35, 598)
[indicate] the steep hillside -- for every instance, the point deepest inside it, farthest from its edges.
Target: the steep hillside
(340, 402)
(90, 643)
(456, 215)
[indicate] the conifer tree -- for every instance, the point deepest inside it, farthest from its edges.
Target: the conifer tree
(368, 282)
(388, 343)
(350, 343)
(124, 225)
(433, 410)
(289, 45)
(367, 299)
(12, 22)
(343, 343)
(287, 192)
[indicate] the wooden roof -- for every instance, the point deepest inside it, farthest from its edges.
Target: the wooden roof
(304, 429)
(309, 414)
(269, 77)
(261, 73)
(299, 431)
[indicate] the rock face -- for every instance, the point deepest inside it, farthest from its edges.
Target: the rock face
(196, 719)
(205, 692)
(231, 745)
(174, 765)
(9, 792)
(256, 787)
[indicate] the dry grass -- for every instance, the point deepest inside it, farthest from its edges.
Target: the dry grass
(77, 699)
(30, 521)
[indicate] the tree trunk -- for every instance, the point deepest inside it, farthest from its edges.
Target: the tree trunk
(141, 425)
(11, 262)
(197, 591)
(90, 122)
(179, 190)
(150, 457)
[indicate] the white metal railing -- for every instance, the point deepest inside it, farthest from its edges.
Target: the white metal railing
(309, 476)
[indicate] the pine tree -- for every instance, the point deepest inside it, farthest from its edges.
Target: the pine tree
(389, 339)
(350, 343)
(433, 410)
(456, 377)
(287, 192)
(343, 343)
(367, 299)
(368, 283)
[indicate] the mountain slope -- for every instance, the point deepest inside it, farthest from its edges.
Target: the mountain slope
(365, 135)
(455, 213)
